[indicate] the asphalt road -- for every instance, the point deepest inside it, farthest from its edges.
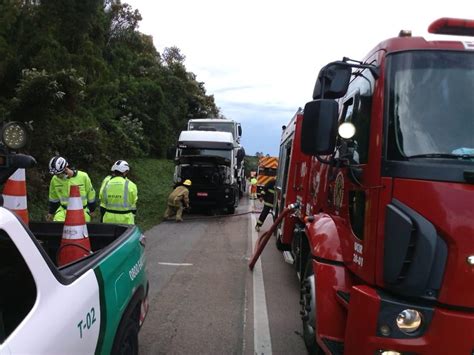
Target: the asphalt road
(203, 297)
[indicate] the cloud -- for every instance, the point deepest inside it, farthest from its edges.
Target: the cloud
(232, 89)
(260, 59)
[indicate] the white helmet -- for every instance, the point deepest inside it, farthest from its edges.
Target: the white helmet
(120, 166)
(57, 165)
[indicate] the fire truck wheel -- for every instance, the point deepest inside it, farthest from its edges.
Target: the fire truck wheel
(308, 310)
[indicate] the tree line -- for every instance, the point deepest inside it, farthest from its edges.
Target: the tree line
(89, 85)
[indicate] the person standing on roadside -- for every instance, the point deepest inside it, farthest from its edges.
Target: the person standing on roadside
(59, 187)
(253, 188)
(118, 196)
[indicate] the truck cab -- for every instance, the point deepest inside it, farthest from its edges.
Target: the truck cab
(386, 234)
(233, 127)
(218, 125)
(207, 158)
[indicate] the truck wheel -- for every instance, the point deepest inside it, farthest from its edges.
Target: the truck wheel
(231, 210)
(308, 310)
(126, 340)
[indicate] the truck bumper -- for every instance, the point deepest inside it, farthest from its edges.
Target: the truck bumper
(215, 196)
(372, 328)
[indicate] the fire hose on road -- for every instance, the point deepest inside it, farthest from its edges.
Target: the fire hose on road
(263, 239)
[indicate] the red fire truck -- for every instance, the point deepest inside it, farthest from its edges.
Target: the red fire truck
(381, 163)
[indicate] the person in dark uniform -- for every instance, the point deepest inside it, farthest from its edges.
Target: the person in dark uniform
(267, 195)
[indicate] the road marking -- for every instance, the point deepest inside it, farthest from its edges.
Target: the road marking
(176, 264)
(261, 333)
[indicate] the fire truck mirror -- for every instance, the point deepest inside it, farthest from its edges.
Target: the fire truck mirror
(333, 81)
(319, 128)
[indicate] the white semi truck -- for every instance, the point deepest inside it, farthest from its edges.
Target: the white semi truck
(233, 127)
(208, 159)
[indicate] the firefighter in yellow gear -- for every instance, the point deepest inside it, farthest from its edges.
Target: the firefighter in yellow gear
(118, 196)
(178, 200)
(59, 188)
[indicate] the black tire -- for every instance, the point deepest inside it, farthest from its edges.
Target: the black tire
(231, 210)
(126, 339)
(280, 246)
(308, 308)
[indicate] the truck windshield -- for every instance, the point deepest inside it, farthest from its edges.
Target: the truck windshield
(212, 126)
(227, 154)
(431, 105)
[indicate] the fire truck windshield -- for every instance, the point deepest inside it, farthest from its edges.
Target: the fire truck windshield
(431, 105)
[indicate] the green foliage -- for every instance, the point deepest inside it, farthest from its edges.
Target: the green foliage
(154, 179)
(90, 86)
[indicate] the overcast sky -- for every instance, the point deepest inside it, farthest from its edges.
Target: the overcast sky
(260, 58)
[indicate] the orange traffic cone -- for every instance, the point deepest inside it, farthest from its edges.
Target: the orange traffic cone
(75, 242)
(14, 195)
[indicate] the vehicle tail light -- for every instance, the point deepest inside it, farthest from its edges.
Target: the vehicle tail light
(452, 26)
(142, 240)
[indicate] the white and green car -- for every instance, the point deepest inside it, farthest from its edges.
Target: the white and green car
(95, 305)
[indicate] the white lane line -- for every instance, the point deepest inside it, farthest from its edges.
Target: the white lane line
(261, 333)
(176, 264)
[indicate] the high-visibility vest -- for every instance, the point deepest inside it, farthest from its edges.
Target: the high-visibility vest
(59, 190)
(119, 197)
(105, 181)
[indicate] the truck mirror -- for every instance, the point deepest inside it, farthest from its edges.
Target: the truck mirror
(319, 128)
(240, 155)
(333, 81)
(170, 153)
(239, 129)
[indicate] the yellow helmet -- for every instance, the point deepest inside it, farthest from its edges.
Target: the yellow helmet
(187, 182)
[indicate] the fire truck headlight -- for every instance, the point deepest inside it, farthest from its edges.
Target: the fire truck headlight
(346, 130)
(388, 352)
(409, 321)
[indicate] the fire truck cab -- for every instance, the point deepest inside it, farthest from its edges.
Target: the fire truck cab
(383, 239)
